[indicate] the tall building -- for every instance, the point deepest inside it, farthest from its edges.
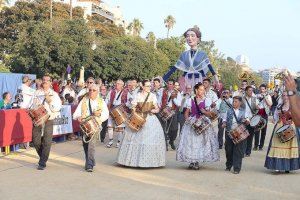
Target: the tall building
(243, 61)
(268, 75)
(90, 7)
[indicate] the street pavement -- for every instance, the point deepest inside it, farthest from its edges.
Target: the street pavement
(65, 178)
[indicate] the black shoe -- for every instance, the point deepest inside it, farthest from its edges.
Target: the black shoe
(89, 169)
(172, 145)
(191, 165)
(247, 155)
(287, 172)
(196, 166)
(260, 148)
(236, 172)
(220, 147)
(228, 169)
(255, 149)
(40, 167)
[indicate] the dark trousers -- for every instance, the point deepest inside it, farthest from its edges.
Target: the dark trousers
(234, 153)
(181, 120)
(260, 136)
(220, 133)
(42, 144)
(89, 151)
(249, 140)
(103, 131)
(171, 127)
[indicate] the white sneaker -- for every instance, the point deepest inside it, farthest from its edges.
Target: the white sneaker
(110, 143)
(118, 145)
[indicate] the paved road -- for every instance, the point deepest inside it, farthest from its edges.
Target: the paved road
(65, 178)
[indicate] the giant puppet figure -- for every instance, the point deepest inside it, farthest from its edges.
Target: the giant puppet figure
(194, 62)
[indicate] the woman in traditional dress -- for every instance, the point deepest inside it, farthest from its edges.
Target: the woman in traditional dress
(146, 147)
(194, 62)
(283, 156)
(196, 148)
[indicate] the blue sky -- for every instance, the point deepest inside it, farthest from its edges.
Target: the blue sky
(268, 32)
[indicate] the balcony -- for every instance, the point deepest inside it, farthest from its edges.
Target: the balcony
(98, 10)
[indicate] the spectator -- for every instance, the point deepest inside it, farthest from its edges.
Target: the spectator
(5, 102)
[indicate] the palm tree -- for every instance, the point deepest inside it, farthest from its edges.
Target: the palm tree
(135, 27)
(151, 39)
(169, 23)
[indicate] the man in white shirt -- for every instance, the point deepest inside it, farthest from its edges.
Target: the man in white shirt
(265, 102)
(91, 105)
(234, 152)
(251, 106)
(90, 81)
(171, 98)
(157, 90)
(42, 135)
(186, 96)
(116, 97)
(25, 93)
(223, 105)
(209, 92)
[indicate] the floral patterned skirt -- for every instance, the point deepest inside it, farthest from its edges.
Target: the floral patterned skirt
(198, 148)
(145, 148)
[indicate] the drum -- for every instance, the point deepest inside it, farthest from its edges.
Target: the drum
(257, 122)
(166, 113)
(119, 115)
(200, 125)
(285, 133)
(136, 121)
(239, 134)
(89, 126)
(39, 115)
(214, 115)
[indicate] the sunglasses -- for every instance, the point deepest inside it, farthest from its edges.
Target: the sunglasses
(90, 82)
(92, 90)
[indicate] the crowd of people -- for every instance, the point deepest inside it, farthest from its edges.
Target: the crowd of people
(143, 117)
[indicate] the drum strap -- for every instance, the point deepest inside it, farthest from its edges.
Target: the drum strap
(145, 101)
(120, 94)
(249, 105)
(236, 119)
(197, 107)
(90, 107)
(228, 104)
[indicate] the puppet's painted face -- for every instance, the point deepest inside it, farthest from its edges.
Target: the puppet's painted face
(191, 39)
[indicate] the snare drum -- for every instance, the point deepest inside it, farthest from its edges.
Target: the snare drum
(166, 113)
(200, 125)
(136, 121)
(119, 115)
(89, 126)
(239, 134)
(39, 115)
(257, 122)
(286, 133)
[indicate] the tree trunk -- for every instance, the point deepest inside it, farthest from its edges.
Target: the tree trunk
(71, 10)
(168, 33)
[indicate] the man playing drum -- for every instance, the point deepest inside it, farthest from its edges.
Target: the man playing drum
(265, 103)
(116, 97)
(234, 152)
(93, 106)
(42, 134)
(171, 100)
(251, 106)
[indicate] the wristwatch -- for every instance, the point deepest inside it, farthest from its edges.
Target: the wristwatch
(291, 93)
